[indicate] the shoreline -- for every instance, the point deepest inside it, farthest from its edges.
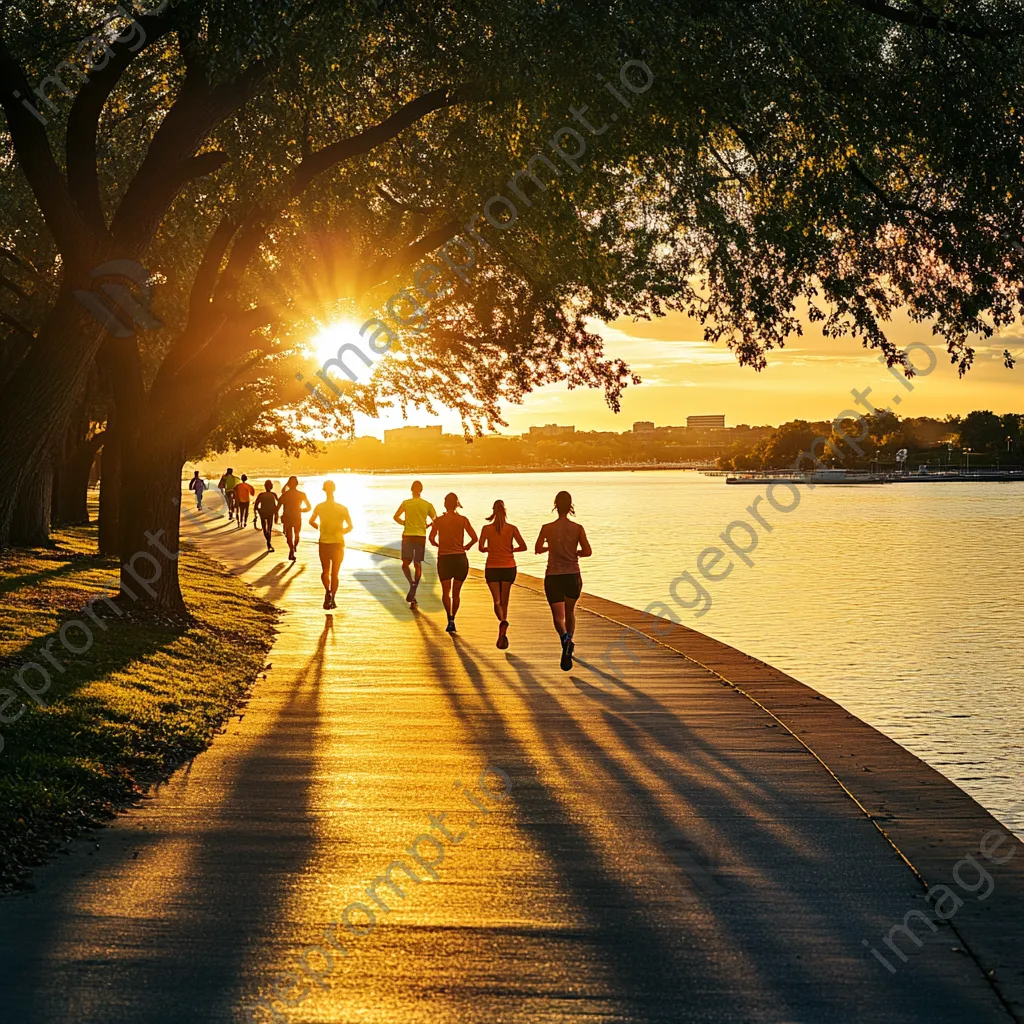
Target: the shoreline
(412, 470)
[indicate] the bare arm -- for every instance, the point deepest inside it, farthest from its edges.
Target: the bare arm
(346, 522)
(399, 516)
(472, 536)
(433, 533)
(313, 521)
(585, 549)
(483, 538)
(518, 544)
(542, 542)
(305, 504)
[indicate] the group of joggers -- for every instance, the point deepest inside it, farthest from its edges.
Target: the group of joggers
(563, 540)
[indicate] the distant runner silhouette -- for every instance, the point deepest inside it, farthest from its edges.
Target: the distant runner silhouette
(227, 490)
(565, 543)
(291, 505)
(265, 507)
(448, 536)
(500, 540)
(243, 495)
(333, 522)
(198, 485)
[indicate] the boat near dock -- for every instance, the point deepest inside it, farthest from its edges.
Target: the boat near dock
(822, 476)
(848, 477)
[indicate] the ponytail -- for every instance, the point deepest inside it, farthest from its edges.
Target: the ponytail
(563, 504)
(498, 516)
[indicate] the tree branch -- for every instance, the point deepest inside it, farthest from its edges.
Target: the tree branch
(11, 286)
(925, 19)
(84, 118)
(209, 267)
(365, 141)
(256, 223)
(386, 268)
(35, 157)
(18, 325)
(168, 165)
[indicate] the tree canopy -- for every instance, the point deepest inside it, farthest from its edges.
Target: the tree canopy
(278, 165)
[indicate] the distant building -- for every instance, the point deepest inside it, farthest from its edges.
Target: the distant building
(414, 435)
(551, 430)
(643, 427)
(705, 422)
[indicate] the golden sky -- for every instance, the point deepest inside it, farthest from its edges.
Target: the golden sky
(810, 379)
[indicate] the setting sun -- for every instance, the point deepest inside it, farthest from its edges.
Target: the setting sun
(324, 346)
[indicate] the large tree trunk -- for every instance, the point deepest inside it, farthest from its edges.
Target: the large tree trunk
(152, 456)
(38, 402)
(30, 517)
(150, 518)
(110, 495)
(71, 484)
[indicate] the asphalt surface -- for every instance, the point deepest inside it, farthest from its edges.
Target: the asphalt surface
(644, 844)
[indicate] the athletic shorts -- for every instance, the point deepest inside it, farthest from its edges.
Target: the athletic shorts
(413, 549)
(452, 567)
(332, 552)
(291, 522)
(563, 588)
(500, 575)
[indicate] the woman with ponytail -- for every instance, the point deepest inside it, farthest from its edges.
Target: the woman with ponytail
(448, 535)
(565, 543)
(500, 540)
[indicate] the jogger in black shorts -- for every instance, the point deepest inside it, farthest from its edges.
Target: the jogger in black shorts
(452, 563)
(565, 543)
(500, 540)
(265, 507)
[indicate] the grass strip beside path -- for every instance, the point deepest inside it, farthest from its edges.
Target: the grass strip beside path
(147, 696)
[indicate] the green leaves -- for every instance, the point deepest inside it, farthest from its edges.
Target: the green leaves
(787, 152)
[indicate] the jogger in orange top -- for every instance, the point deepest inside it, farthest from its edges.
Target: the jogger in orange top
(500, 540)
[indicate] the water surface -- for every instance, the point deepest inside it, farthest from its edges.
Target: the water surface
(900, 602)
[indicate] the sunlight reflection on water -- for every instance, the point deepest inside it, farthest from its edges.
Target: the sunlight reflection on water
(899, 602)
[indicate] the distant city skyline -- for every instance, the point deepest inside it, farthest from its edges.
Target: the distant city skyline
(684, 376)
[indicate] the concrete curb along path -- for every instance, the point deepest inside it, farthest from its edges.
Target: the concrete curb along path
(668, 851)
(930, 822)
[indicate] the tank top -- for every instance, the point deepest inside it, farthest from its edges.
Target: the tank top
(291, 503)
(563, 541)
(451, 533)
(331, 517)
(499, 547)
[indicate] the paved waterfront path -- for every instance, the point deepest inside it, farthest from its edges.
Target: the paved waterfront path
(695, 838)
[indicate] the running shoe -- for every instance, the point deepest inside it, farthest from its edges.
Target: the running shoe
(450, 628)
(567, 648)
(327, 600)
(502, 643)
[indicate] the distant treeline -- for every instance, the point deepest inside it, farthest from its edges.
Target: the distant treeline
(928, 440)
(663, 446)
(989, 439)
